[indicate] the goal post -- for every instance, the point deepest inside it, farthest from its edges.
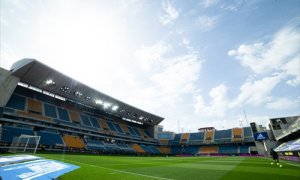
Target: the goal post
(24, 143)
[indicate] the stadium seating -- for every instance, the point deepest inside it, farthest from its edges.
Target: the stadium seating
(244, 149)
(92, 144)
(75, 117)
(111, 126)
(209, 136)
(34, 116)
(73, 141)
(9, 132)
(103, 124)
(50, 110)
(176, 139)
(85, 120)
(164, 142)
(184, 138)
(34, 106)
(237, 134)
(248, 136)
(125, 128)
(164, 149)
(50, 138)
(208, 150)
(223, 136)
(196, 138)
(63, 114)
(228, 149)
(176, 150)
(16, 102)
(150, 149)
(190, 150)
(138, 148)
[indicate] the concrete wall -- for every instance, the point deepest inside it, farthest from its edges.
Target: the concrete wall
(8, 83)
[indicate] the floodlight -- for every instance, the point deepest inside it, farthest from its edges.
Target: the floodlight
(115, 107)
(50, 82)
(87, 98)
(64, 89)
(77, 94)
(99, 101)
(106, 105)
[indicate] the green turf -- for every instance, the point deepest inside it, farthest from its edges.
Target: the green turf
(121, 167)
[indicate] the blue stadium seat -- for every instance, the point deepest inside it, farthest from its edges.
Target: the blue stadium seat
(50, 138)
(196, 138)
(85, 120)
(247, 132)
(136, 131)
(9, 132)
(16, 102)
(50, 110)
(230, 149)
(176, 150)
(223, 134)
(111, 126)
(63, 114)
(244, 149)
(94, 122)
(132, 132)
(177, 137)
(118, 128)
(190, 150)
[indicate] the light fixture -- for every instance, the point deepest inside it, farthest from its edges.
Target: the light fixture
(77, 94)
(115, 107)
(87, 98)
(64, 89)
(106, 105)
(50, 82)
(99, 101)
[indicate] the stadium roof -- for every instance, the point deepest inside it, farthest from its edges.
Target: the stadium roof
(39, 75)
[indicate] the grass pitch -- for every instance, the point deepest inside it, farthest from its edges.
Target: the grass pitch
(167, 168)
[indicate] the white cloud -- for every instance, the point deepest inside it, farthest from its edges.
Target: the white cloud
(218, 105)
(209, 3)
(281, 104)
(148, 56)
(170, 13)
(263, 58)
(256, 92)
(179, 76)
(292, 69)
(273, 62)
(170, 79)
(8, 56)
(206, 23)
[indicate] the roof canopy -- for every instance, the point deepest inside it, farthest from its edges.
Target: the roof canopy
(37, 74)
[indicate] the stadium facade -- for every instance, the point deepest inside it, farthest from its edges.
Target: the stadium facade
(67, 115)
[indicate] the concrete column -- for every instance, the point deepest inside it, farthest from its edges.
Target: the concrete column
(8, 83)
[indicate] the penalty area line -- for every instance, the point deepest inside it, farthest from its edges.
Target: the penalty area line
(120, 171)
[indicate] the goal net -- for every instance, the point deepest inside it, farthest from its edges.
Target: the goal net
(24, 144)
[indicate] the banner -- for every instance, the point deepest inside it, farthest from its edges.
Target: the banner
(261, 136)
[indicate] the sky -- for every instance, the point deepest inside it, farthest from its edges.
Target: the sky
(196, 63)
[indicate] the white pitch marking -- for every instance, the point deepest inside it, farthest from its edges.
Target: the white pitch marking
(293, 164)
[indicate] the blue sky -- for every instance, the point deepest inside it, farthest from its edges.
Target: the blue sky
(199, 63)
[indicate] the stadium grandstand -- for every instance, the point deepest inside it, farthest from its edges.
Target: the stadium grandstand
(67, 115)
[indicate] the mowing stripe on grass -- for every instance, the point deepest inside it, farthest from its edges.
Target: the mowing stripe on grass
(126, 172)
(293, 164)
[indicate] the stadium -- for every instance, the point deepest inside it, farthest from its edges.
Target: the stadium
(53, 126)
